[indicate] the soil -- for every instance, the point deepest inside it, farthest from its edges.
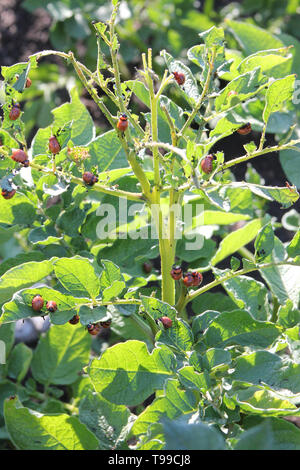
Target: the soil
(21, 33)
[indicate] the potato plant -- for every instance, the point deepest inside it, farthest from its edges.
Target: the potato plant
(173, 304)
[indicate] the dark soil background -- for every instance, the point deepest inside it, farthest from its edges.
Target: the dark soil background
(22, 34)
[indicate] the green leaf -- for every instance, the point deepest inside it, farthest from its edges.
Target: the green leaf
(289, 160)
(257, 400)
(279, 91)
(221, 302)
(157, 308)
(30, 430)
(179, 336)
(239, 327)
(234, 263)
(173, 403)
(284, 195)
(61, 354)
(293, 247)
(273, 63)
(283, 280)
(106, 152)
(83, 130)
(246, 86)
(237, 239)
(9, 73)
(202, 321)
(111, 280)
(194, 380)
(127, 327)
(39, 145)
(18, 210)
(249, 294)
(93, 315)
(20, 306)
(110, 423)
(264, 242)
(19, 362)
(263, 366)
(22, 276)
(190, 88)
(78, 276)
(45, 235)
(288, 317)
(215, 358)
(211, 217)
(271, 434)
(251, 38)
(182, 434)
(127, 374)
(260, 400)
(236, 196)
(70, 221)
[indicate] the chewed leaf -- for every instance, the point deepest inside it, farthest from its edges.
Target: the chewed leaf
(278, 93)
(78, 276)
(189, 87)
(127, 374)
(20, 306)
(221, 195)
(244, 87)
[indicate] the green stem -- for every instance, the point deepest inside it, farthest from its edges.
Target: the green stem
(144, 327)
(262, 138)
(202, 97)
(116, 73)
(92, 91)
(275, 310)
(180, 305)
(245, 253)
(96, 187)
(229, 276)
(290, 145)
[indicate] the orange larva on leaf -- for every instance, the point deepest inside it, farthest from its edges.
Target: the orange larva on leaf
(51, 306)
(244, 130)
(8, 194)
(122, 123)
(15, 112)
(93, 328)
(74, 320)
(54, 146)
(206, 164)
(198, 278)
(188, 280)
(179, 77)
(20, 156)
(166, 321)
(89, 178)
(37, 303)
(176, 272)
